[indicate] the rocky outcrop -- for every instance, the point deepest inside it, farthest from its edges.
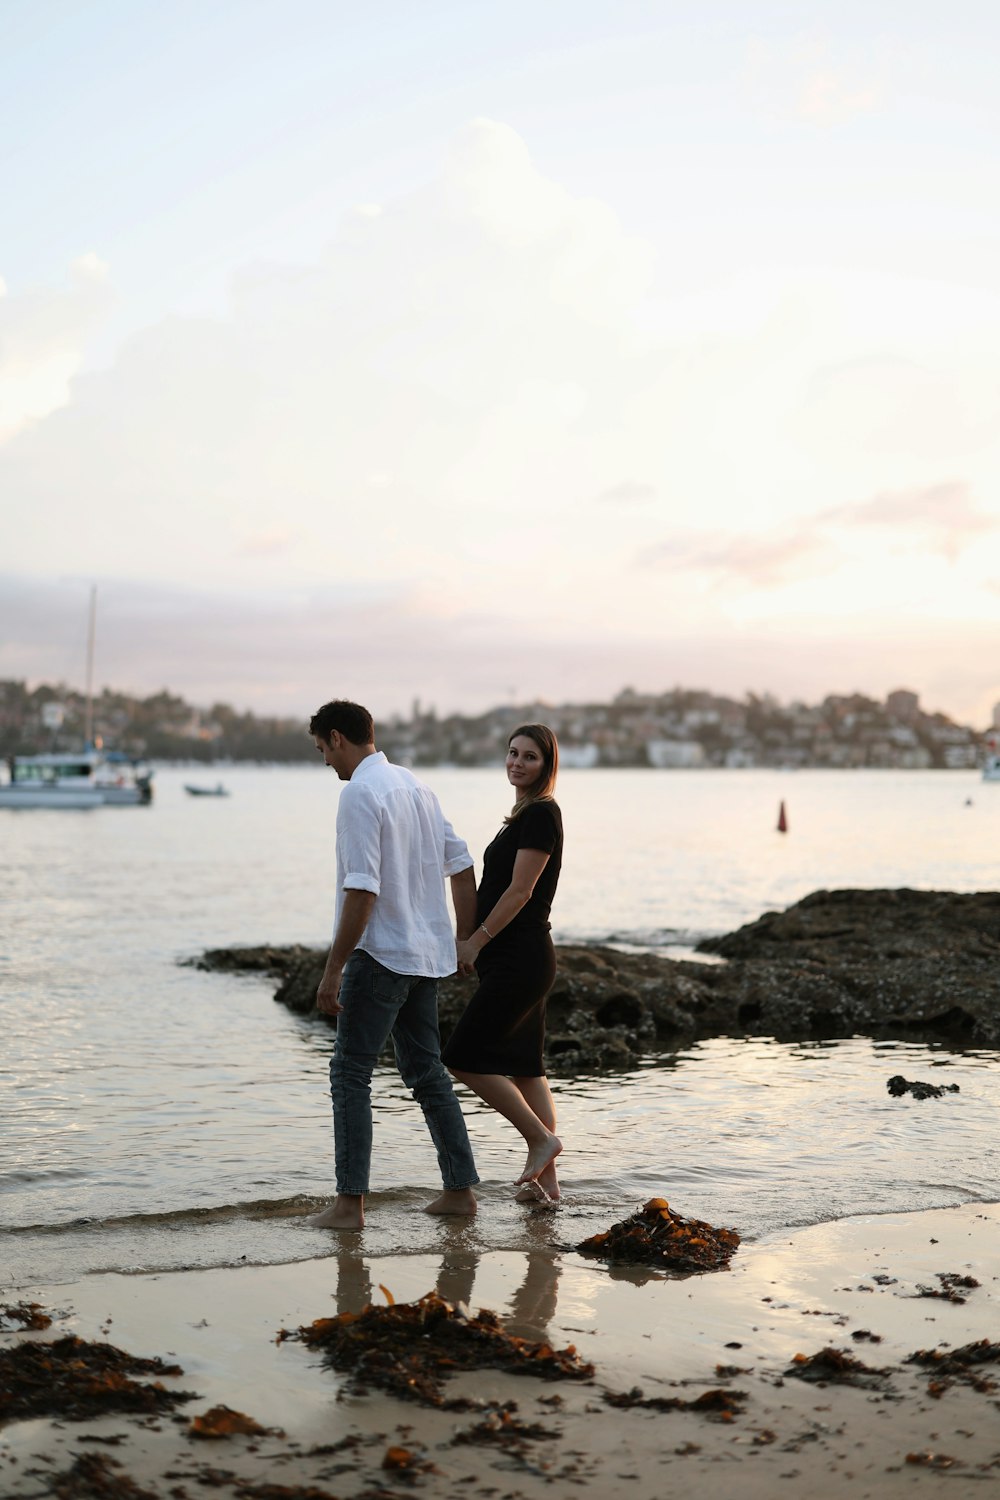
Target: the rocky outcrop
(914, 964)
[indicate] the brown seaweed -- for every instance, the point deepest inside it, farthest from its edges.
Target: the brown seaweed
(718, 1405)
(409, 1348)
(76, 1378)
(657, 1236)
(92, 1476)
(958, 1364)
(26, 1316)
(836, 1367)
(224, 1422)
(953, 1284)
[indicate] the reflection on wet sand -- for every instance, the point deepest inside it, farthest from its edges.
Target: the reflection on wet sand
(530, 1309)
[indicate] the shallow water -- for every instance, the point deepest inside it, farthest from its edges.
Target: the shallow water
(156, 1116)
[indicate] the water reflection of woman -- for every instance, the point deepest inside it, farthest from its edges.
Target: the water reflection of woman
(496, 1048)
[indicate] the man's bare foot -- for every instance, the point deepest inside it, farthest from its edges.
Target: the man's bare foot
(347, 1211)
(549, 1184)
(453, 1201)
(540, 1157)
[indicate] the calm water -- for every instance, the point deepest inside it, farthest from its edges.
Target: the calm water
(153, 1116)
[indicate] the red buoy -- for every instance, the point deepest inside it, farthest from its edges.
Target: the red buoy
(782, 819)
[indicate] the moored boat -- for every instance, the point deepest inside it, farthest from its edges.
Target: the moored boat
(90, 779)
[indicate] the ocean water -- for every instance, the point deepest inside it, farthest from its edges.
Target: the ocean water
(153, 1117)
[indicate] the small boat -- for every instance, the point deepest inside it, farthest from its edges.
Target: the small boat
(991, 767)
(206, 791)
(90, 779)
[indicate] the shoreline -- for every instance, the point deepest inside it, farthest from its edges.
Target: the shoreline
(790, 1293)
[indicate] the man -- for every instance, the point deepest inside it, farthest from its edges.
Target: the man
(391, 944)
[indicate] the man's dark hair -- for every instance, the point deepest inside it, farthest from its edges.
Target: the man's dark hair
(349, 719)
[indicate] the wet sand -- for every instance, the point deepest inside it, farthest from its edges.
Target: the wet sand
(793, 1294)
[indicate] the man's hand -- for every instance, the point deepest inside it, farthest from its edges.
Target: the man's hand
(327, 996)
(466, 954)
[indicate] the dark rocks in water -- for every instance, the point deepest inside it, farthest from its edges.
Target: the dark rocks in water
(919, 965)
(898, 1086)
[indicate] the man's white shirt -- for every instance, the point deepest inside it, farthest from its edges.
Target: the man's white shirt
(394, 840)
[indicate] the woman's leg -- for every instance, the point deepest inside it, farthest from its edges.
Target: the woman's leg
(507, 1099)
(538, 1096)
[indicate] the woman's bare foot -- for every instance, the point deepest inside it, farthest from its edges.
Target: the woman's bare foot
(547, 1181)
(540, 1157)
(347, 1211)
(453, 1201)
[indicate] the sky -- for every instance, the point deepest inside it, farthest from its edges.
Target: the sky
(476, 353)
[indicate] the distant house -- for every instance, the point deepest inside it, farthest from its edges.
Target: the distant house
(675, 754)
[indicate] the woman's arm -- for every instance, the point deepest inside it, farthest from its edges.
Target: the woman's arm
(528, 865)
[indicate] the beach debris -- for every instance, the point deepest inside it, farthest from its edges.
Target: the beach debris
(950, 1365)
(837, 1367)
(408, 1461)
(77, 1378)
(246, 1490)
(898, 1086)
(224, 1422)
(409, 1348)
(951, 1288)
(503, 1428)
(26, 1316)
(657, 1236)
(718, 1405)
(93, 1476)
(930, 1460)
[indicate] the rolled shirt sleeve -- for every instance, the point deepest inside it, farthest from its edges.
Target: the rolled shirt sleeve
(456, 852)
(359, 841)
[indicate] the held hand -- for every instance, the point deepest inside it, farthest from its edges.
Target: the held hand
(327, 995)
(467, 952)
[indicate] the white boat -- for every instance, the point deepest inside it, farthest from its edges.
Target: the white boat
(991, 767)
(90, 779)
(205, 791)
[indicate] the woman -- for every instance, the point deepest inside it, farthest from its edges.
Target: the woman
(496, 1048)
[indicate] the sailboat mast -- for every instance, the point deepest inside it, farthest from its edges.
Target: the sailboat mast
(88, 724)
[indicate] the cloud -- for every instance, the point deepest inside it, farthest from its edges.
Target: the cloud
(628, 492)
(454, 342)
(802, 79)
(942, 518)
(285, 654)
(267, 543)
(43, 333)
(751, 561)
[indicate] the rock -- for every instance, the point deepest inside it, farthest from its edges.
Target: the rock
(898, 1086)
(922, 965)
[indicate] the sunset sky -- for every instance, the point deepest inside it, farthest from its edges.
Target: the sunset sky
(476, 352)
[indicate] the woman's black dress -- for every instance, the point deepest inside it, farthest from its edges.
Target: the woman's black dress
(503, 1027)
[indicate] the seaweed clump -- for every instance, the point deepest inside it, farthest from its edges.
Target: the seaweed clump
(409, 1348)
(77, 1378)
(23, 1316)
(835, 1367)
(91, 1476)
(718, 1405)
(950, 1365)
(657, 1236)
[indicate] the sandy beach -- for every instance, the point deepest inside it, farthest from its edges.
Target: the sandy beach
(853, 1285)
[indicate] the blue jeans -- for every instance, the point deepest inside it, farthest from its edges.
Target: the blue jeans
(378, 1004)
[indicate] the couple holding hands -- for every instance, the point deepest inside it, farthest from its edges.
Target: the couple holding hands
(393, 941)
